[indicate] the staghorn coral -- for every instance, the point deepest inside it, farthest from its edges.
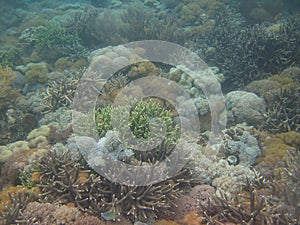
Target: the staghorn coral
(63, 180)
(284, 116)
(246, 53)
(59, 93)
(55, 39)
(256, 205)
(150, 27)
(13, 212)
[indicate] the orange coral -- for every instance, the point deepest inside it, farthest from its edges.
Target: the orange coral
(14, 190)
(192, 218)
(165, 222)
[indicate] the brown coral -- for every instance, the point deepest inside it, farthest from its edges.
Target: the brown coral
(37, 74)
(143, 69)
(7, 93)
(274, 147)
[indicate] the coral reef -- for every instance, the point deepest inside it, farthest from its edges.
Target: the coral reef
(143, 69)
(258, 203)
(7, 94)
(274, 147)
(63, 180)
(13, 211)
(150, 27)
(55, 39)
(16, 125)
(139, 119)
(246, 53)
(59, 93)
(284, 116)
(258, 12)
(37, 74)
(189, 204)
(46, 213)
(245, 107)
(10, 57)
(246, 149)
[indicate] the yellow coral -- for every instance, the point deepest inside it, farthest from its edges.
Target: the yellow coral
(7, 93)
(143, 69)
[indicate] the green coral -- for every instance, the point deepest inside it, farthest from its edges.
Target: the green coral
(10, 57)
(139, 119)
(53, 35)
(55, 38)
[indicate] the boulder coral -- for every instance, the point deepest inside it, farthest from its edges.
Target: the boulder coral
(245, 107)
(275, 147)
(37, 74)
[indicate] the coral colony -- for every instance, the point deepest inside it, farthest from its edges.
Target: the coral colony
(69, 69)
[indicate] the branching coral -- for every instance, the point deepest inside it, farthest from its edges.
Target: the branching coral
(13, 212)
(141, 114)
(246, 53)
(10, 57)
(53, 37)
(63, 180)
(260, 202)
(149, 26)
(59, 94)
(284, 116)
